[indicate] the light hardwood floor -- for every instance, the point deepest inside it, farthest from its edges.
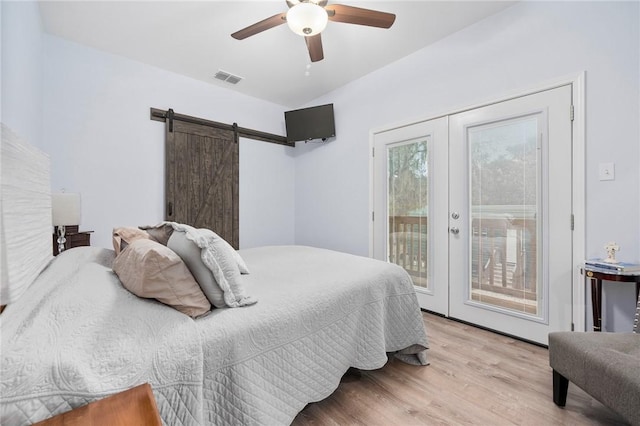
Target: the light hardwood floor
(476, 377)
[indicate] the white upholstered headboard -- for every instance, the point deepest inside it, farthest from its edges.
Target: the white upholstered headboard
(25, 215)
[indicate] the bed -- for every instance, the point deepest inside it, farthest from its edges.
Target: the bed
(75, 335)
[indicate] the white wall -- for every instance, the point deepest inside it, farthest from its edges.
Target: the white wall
(21, 76)
(519, 48)
(266, 194)
(103, 144)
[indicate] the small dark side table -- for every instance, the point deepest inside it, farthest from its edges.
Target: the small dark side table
(596, 276)
(74, 238)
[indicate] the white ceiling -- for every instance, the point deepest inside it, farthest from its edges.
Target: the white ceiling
(193, 38)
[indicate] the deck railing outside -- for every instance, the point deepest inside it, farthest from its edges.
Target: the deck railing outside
(408, 246)
(503, 253)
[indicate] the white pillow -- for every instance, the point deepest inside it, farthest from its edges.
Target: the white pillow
(213, 263)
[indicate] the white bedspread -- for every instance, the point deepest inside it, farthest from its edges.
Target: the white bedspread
(77, 336)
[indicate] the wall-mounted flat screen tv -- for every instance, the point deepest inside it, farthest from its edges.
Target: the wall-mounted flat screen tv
(310, 123)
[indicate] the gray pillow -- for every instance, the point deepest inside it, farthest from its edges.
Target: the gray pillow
(190, 254)
(213, 263)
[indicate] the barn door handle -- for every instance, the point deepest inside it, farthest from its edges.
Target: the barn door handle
(169, 208)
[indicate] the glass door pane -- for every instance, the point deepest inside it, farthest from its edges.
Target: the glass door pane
(408, 209)
(504, 197)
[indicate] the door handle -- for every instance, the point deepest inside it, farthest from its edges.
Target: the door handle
(455, 231)
(169, 208)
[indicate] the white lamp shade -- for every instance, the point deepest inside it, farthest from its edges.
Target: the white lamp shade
(65, 207)
(307, 19)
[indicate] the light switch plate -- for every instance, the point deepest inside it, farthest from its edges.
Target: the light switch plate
(607, 171)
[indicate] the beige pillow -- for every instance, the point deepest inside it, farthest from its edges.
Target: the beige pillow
(123, 236)
(151, 270)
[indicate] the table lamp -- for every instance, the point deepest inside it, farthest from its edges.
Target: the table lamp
(65, 207)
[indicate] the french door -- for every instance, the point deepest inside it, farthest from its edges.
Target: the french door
(411, 173)
(476, 206)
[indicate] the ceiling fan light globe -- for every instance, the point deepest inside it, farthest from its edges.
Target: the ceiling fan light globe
(307, 19)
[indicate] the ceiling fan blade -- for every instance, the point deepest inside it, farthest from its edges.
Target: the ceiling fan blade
(261, 26)
(357, 15)
(314, 44)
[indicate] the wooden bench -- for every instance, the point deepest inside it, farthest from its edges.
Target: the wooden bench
(135, 406)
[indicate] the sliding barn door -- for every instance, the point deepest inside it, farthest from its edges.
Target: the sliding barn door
(201, 178)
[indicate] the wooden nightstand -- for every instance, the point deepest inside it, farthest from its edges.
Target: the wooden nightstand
(135, 406)
(74, 238)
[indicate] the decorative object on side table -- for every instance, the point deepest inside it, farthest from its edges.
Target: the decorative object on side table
(613, 267)
(611, 263)
(611, 249)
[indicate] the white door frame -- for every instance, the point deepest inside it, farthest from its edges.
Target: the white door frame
(577, 82)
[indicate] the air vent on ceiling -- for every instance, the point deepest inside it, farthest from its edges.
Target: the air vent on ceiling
(228, 77)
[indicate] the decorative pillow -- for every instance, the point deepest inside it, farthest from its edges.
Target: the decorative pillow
(151, 270)
(160, 233)
(212, 262)
(124, 236)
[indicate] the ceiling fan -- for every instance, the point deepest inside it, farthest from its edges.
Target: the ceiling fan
(309, 17)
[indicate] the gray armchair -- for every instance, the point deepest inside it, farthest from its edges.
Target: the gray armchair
(605, 365)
